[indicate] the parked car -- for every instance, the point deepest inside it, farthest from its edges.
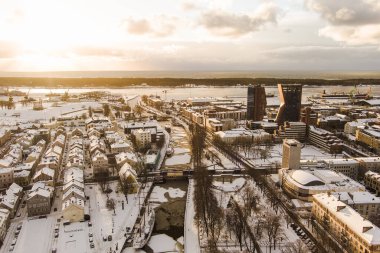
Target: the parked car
(14, 242)
(110, 238)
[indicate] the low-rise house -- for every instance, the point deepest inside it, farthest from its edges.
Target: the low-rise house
(22, 177)
(128, 178)
(46, 175)
(73, 199)
(10, 201)
(124, 157)
(120, 146)
(39, 199)
(4, 223)
(6, 162)
(77, 132)
(99, 163)
(5, 135)
(49, 161)
(372, 181)
(15, 189)
(6, 177)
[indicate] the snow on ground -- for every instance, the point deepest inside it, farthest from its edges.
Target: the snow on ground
(107, 222)
(28, 114)
(224, 194)
(224, 161)
(132, 250)
(181, 150)
(308, 152)
(178, 159)
(158, 193)
(36, 236)
(180, 144)
(74, 238)
(191, 231)
(162, 243)
(233, 186)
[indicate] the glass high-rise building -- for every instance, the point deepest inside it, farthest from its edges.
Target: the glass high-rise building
(256, 102)
(290, 96)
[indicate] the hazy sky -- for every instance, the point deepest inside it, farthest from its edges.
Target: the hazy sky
(50, 35)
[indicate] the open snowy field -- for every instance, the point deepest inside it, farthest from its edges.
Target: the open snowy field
(180, 143)
(36, 236)
(308, 152)
(28, 114)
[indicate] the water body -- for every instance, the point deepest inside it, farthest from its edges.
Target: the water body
(182, 93)
(170, 215)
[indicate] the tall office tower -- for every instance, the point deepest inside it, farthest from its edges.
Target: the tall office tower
(291, 154)
(290, 97)
(256, 102)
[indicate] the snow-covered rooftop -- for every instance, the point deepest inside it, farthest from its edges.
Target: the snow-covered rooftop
(351, 218)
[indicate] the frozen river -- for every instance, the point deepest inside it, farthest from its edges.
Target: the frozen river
(238, 93)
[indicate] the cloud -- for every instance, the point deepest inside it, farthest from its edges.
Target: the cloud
(138, 26)
(225, 23)
(351, 35)
(354, 22)
(162, 26)
(347, 12)
(189, 6)
(98, 51)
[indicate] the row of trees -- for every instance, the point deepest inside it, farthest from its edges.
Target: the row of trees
(251, 148)
(7, 104)
(173, 82)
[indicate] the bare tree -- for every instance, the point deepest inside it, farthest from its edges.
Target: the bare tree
(250, 200)
(138, 110)
(273, 229)
(198, 137)
(295, 247)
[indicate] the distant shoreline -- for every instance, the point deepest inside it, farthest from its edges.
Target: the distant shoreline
(203, 74)
(104, 82)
